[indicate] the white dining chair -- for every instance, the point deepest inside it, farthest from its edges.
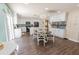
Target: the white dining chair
(34, 34)
(41, 37)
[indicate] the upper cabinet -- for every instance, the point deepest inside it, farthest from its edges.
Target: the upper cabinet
(58, 17)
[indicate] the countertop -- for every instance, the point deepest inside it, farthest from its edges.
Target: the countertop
(9, 47)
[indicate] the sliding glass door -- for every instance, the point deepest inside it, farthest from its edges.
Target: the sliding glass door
(10, 27)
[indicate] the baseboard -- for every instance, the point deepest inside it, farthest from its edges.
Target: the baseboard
(73, 40)
(59, 37)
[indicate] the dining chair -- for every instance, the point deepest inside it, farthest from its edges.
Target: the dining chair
(41, 37)
(34, 34)
(52, 36)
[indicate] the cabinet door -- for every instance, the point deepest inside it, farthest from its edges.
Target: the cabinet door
(61, 33)
(58, 32)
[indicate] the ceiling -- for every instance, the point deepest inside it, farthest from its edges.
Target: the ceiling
(32, 9)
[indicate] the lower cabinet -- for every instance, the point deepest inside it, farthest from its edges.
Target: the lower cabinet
(58, 32)
(18, 33)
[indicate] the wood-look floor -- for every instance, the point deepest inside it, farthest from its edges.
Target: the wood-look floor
(28, 46)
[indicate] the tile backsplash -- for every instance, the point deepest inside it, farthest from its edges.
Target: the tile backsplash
(59, 24)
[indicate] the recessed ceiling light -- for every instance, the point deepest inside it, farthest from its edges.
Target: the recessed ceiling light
(46, 8)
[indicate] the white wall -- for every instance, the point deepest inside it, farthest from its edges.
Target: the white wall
(72, 29)
(15, 18)
(32, 20)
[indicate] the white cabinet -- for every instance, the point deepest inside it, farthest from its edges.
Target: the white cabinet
(18, 33)
(61, 33)
(58, 32)
(32, 30)
(58, 17)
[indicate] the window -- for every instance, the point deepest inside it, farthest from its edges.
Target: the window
(36, 24)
